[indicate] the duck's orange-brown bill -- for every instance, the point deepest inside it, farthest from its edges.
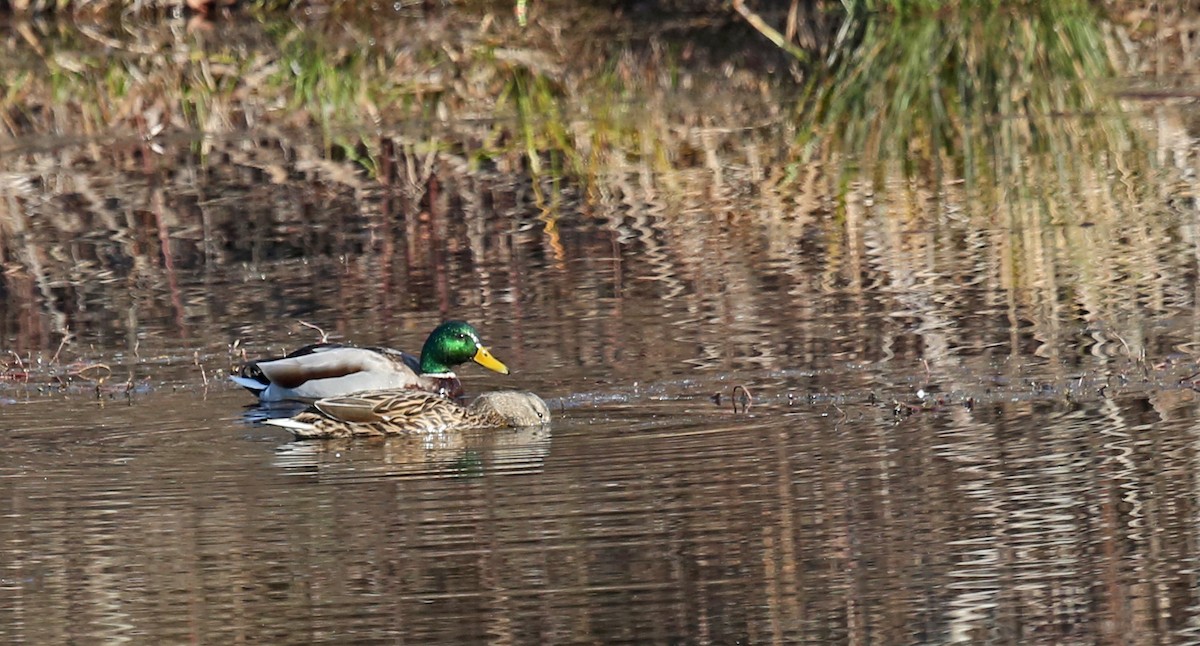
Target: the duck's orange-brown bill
(485, 359)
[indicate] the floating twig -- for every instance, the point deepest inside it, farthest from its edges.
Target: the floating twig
(839, 409)
(89, 372)
(203, 374)
(324, 336)
(745, 400)
(900, 408)
(61, 344)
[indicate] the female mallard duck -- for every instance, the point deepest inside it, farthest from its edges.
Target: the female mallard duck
(398, 412)
(332, 369)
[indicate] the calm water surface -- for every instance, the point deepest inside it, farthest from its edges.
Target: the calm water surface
(652, 520)
(972, 414)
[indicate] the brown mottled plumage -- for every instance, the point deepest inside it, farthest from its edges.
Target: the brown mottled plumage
(396, 412)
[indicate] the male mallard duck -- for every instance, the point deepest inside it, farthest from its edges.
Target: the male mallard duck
(397, 412)
(332, 369)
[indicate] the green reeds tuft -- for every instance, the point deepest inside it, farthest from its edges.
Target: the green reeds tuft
(964, 91)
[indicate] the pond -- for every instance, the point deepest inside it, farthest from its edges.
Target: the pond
(932, 384)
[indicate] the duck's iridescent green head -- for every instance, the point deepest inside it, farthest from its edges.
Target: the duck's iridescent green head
(452, 343)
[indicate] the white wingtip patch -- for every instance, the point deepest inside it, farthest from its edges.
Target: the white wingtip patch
(246, 382)
(290, 424)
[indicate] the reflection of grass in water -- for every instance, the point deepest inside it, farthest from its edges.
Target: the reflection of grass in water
(980, 94)
(542, 130)
(1006, 104)
(991, 96)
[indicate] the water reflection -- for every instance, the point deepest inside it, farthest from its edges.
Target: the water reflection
(1042, 490)
(455, 454)
(1059, 508)
(1011, 522)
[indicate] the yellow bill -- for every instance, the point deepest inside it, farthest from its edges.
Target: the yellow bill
(485, 359)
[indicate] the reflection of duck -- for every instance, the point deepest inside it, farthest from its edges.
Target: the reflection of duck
(457, 453)
(396, 412)
(331, 369)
